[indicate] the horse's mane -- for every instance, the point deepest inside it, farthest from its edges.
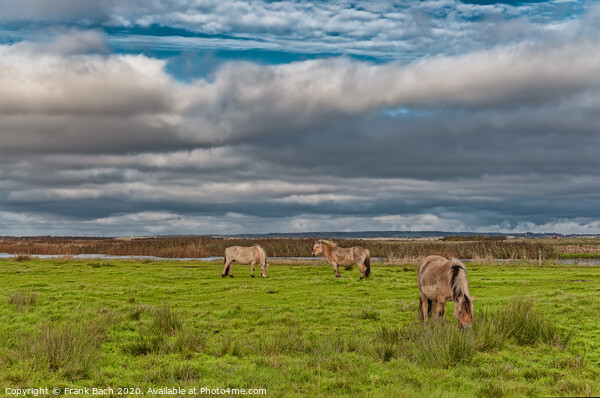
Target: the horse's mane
(460, 285)
(263, 253)
(328, 243)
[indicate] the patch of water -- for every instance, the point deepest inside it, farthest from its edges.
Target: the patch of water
(112, 257)
(566, 261)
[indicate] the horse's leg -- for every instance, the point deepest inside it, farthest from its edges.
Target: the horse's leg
(335, 270)
(226, 268)
(425, 307)
(361, 268)
(231, 269)
(441, 304)
(252, 271)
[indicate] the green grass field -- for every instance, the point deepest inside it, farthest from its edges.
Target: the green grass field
(300, 332)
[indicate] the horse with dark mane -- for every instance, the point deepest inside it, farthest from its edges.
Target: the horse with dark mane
(345, 257)
(441, 280)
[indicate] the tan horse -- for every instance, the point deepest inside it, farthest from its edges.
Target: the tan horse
(245, 255)
(441, 280)
(345, 257)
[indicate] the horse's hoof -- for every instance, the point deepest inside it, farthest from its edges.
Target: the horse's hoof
(264, 276)
(252, 276)
(337, 276)
(231, 276)
(223, 275)
(362, 277)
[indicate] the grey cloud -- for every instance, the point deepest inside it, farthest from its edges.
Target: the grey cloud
(58, 10)
(85, 134)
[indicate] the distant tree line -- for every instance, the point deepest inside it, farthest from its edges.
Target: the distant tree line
(466, 238)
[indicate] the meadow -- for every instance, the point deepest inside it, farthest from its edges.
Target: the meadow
(299, 332)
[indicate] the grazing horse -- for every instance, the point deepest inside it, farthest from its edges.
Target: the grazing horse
(441, 280)
(344, 257)
(245, 255)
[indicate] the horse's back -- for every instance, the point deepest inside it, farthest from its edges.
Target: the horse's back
(232, 250)
(240, 254)
(431, 273)
(430, 262)
(360, 252)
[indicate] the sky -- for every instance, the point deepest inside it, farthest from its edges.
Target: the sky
(135, 117)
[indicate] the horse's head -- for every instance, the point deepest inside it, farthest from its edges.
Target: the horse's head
(264, 266)
(463, 311)
(263, 269)
(317, 248)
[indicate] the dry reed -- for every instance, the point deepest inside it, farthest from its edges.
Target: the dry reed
(201, 246)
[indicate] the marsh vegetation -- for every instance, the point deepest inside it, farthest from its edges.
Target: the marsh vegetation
(394, 250)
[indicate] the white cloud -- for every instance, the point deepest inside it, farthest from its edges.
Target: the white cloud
(55, 83)
(564, 226)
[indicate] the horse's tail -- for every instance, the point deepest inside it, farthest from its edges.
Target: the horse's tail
(225, 262)
(458, 278)
(455, 261)
(429, 306)
(368, 264)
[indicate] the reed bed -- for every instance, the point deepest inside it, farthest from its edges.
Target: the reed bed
(201, 246)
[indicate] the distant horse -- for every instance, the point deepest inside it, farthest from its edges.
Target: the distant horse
(245, 255)
(441, 280)
(344, 257)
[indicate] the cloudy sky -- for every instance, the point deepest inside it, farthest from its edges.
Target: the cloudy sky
(216, 116)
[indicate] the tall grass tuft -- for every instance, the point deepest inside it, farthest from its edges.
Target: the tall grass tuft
(491, 389)
(70, 349)
(443, 344)
(229, 346)
(189, 341)
(145, 344)
(22, 300)
(388, 343)
(135, 313)
(518, 319)
(164, 334)
(486, 332)
(369, 313)
(165, 321)
(327, 345)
